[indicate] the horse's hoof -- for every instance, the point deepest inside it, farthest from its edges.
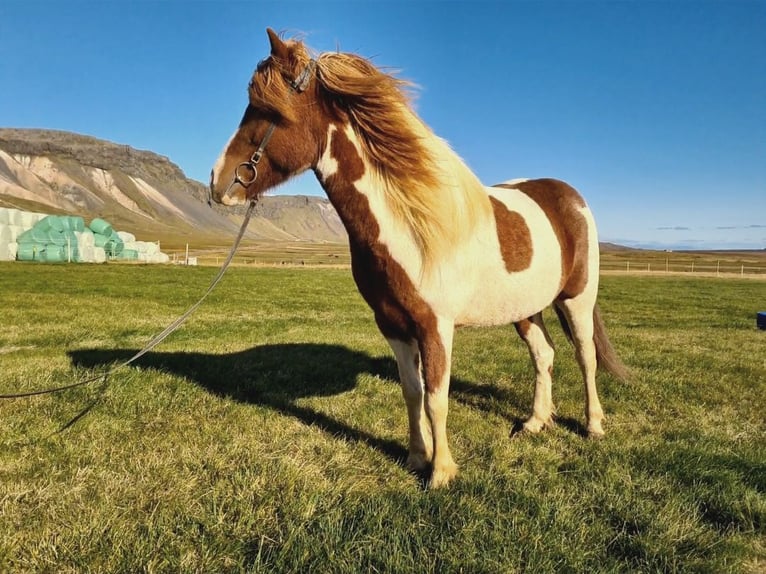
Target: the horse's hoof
(442, 476)
(417, 462)
(596, 434)
(534, 425)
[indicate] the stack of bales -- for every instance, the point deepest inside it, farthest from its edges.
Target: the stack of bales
(14, 222)
(52, 239)
(64, 238)
(145, 251)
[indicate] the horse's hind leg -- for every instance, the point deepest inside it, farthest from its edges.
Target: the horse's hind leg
(421, 443)
(579, 315)
(540, 346)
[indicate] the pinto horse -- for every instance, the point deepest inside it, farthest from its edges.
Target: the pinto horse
(431, 247)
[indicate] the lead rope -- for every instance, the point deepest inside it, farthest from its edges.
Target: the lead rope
(160, 336)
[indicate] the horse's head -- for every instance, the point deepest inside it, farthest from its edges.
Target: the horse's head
(277, 137)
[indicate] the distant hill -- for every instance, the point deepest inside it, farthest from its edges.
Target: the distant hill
(143, 192)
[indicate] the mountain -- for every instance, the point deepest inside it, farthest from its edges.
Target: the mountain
(139, 191)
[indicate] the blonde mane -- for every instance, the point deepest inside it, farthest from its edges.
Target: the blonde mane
(427, 185)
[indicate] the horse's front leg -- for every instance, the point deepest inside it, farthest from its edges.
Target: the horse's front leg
(436, 353)
(421, 443)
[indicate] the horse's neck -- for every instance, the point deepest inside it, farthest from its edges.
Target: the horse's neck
(358, 194)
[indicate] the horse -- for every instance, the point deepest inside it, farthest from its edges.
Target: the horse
(431, 247)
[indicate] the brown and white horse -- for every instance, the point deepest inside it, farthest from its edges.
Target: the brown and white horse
(431, 247)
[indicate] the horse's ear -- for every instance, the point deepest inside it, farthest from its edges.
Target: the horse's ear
(278, 47)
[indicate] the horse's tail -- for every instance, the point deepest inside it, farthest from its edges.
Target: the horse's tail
(606, 356)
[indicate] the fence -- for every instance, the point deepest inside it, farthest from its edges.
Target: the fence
(716, 267)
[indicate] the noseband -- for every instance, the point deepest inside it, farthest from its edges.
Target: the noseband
(246, 173)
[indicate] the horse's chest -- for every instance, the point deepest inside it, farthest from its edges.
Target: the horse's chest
(400, 311)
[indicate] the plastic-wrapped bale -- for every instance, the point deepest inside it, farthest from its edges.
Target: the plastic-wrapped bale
(30, 251)
(85, 245)
(5, 217)
(100, 240)
(99, 255)
(25, 219)
(158, 257)
(129, 255)
(126, 236)
(114, 247)
(101, 227)
(16, 230)
(5, 239)
(53, 254)
(75, 223)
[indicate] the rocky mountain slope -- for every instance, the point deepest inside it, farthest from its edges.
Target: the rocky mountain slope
(66, 173)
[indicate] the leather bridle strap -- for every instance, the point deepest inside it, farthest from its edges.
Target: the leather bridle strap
(298, 85)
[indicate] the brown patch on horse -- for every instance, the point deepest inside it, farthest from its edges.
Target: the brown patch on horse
(400, 311)
(514, 237)
(561, 204)
(345, 153)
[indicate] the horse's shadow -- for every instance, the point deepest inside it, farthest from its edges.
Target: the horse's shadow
(276, 376)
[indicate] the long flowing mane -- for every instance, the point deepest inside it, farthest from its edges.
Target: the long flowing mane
(426, 184)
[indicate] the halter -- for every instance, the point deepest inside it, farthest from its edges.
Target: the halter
(298, 85)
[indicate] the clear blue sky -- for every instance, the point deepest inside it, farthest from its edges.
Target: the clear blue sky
(655, 111)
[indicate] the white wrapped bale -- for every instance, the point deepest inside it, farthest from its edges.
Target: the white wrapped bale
(5, 252)
(87, 254)
(4, 216)
(13, 250)
(158, 257)
(85, 239)
(126, 237)
(99, 254)
(25, 218)
(16, 230)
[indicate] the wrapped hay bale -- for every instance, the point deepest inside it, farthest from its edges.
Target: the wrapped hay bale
(100, 240)
(29, 251)
(5, 217)
(158, 257)
(53, 254)
(87, 254)
(16, 230)
(101, 227)
(23, 218)
(99, 255)
(5, 239)
(129, 255)
(126, 236)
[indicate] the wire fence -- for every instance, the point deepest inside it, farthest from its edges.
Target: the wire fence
(680, 266)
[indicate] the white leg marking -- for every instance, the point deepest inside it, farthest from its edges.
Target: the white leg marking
(436, 405)
(541, 351)
(421, 442)
(579, 314)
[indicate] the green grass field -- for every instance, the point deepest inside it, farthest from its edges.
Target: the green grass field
(269, 433)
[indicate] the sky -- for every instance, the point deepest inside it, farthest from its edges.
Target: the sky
(654, 110)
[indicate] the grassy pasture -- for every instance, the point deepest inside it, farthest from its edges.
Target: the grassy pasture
(268, 434)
